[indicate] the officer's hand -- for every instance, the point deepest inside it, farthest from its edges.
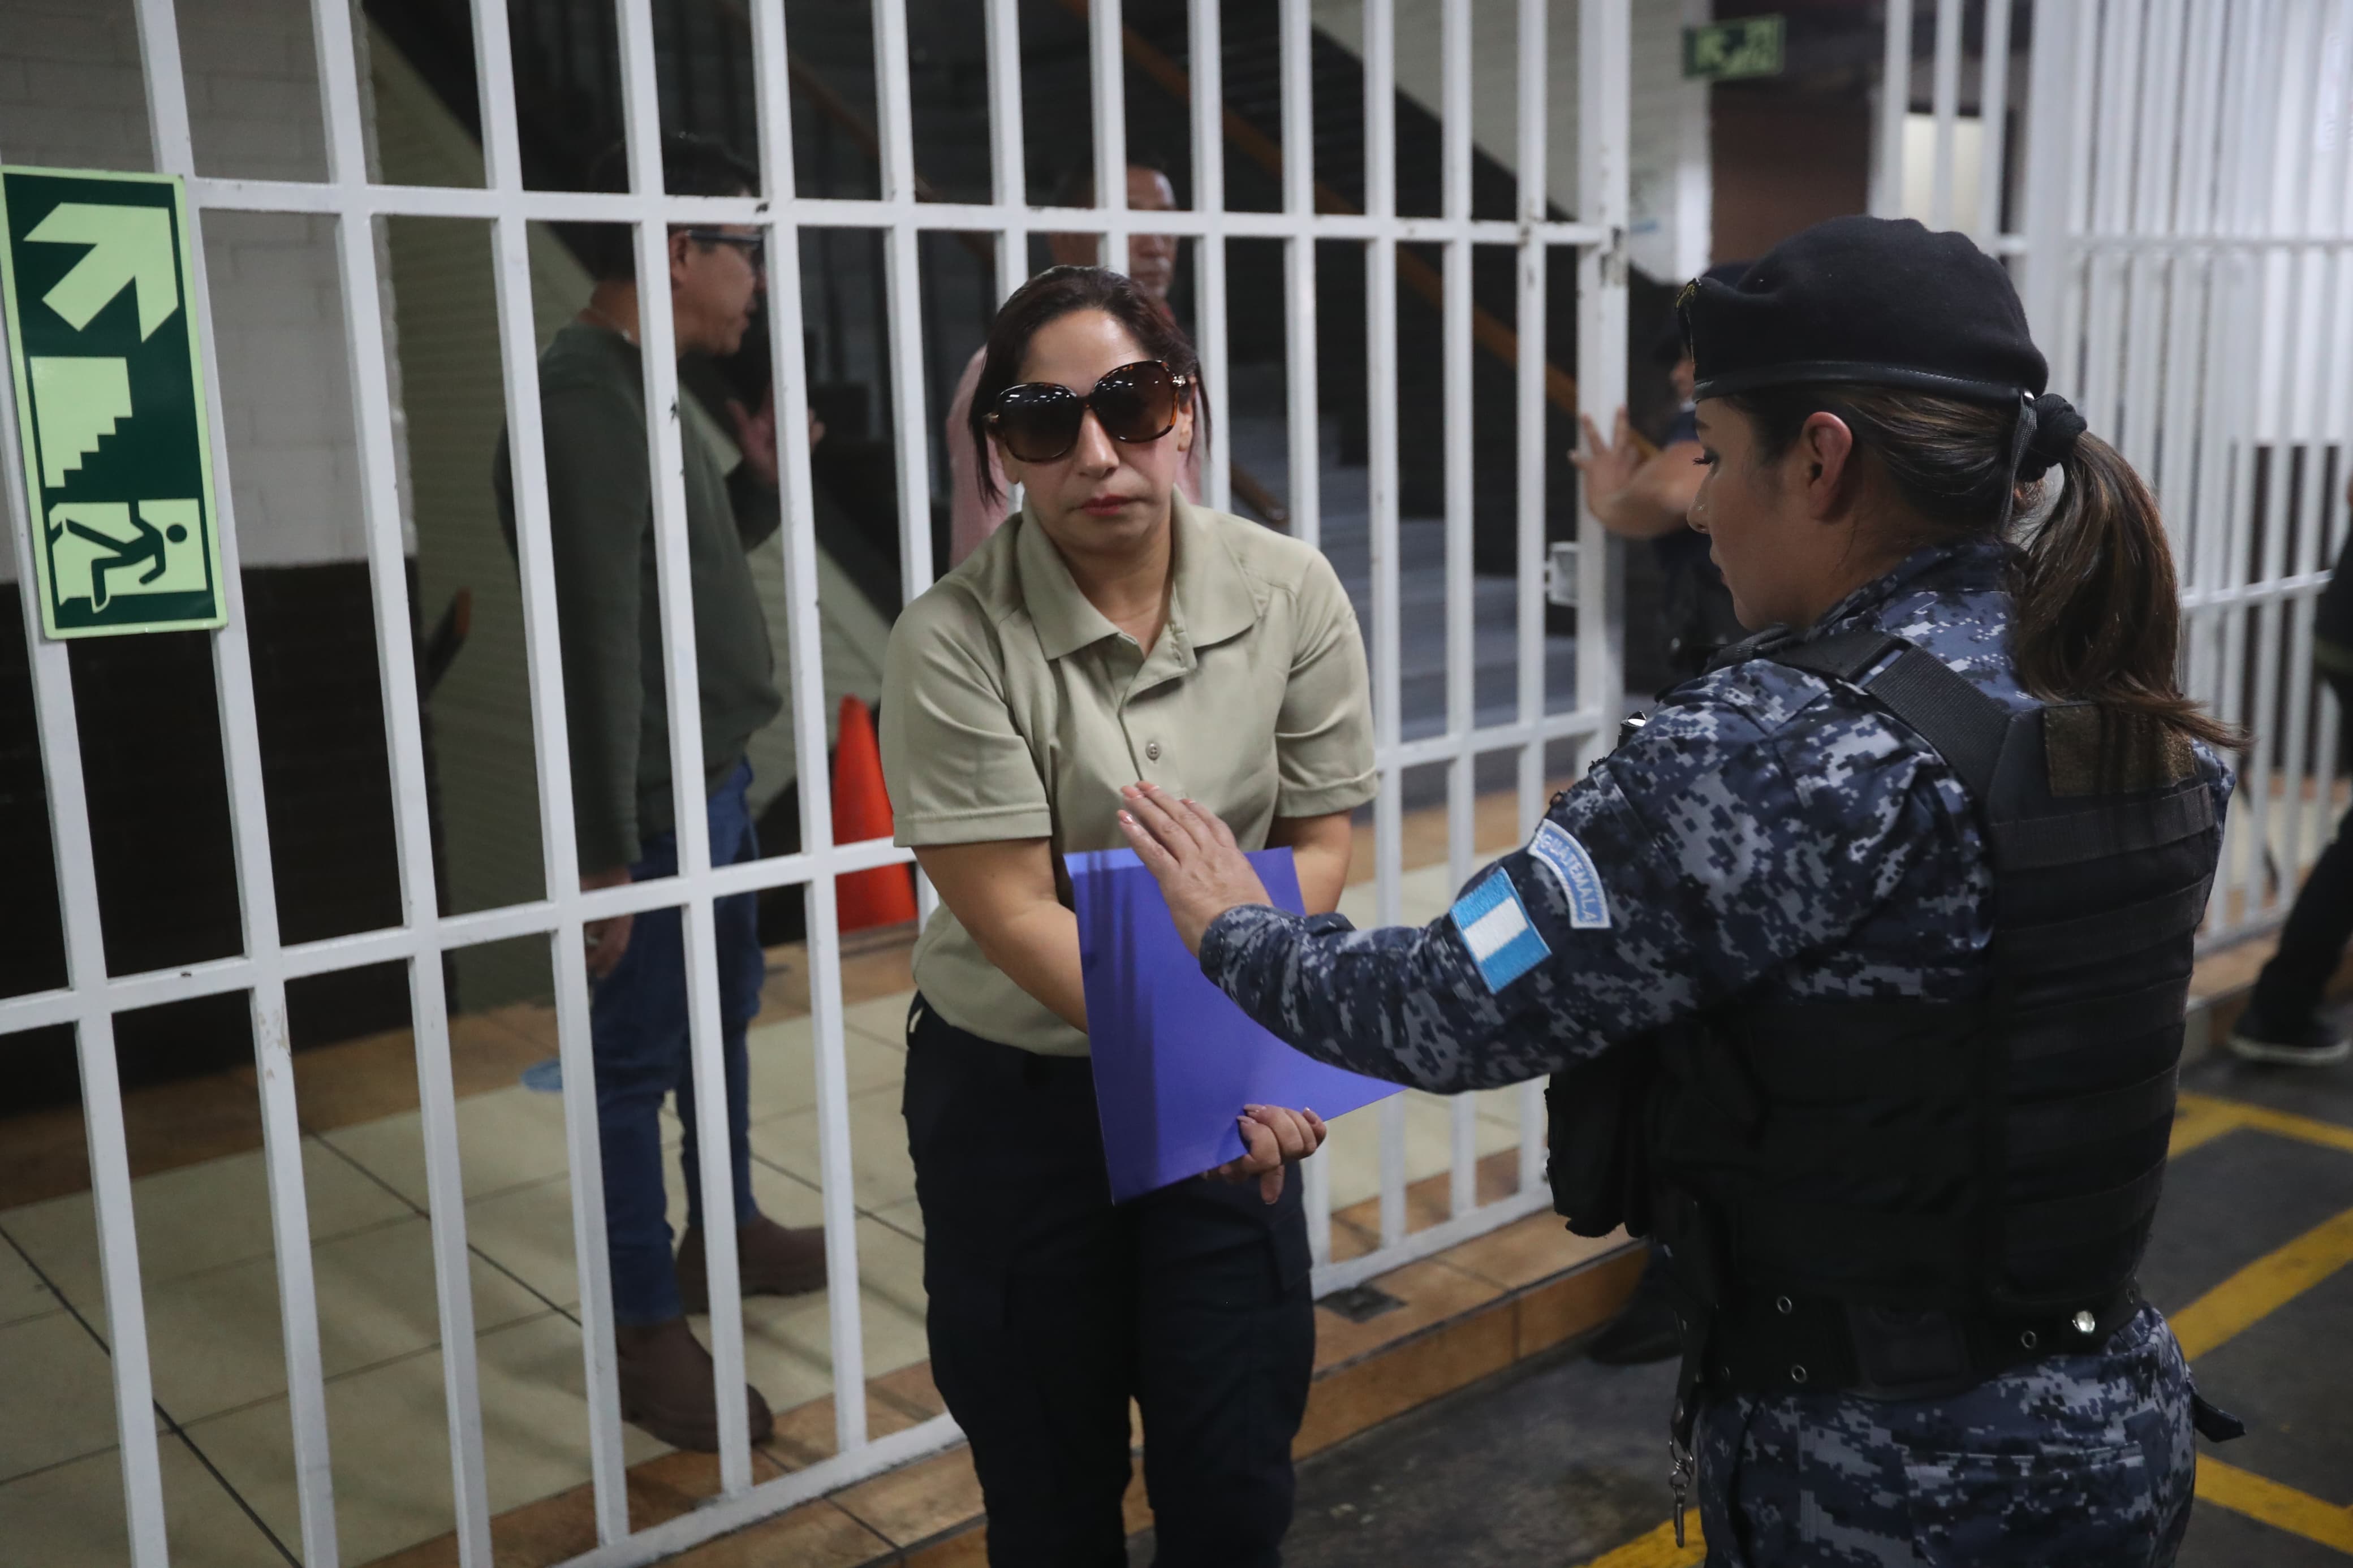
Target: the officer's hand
(1272, 1137)
(1202, 872)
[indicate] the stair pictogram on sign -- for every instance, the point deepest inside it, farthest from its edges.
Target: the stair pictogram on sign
(110, 401)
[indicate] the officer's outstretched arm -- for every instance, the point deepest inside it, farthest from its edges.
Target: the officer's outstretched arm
(1531, 969)
(1709, 852)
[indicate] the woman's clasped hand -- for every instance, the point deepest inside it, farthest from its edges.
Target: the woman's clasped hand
(1272, 1137)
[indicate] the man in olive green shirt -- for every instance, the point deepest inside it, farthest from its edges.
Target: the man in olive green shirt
(600, 515)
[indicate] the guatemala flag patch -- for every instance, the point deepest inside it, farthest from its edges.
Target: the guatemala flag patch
(1557, 850)
(1496, 929)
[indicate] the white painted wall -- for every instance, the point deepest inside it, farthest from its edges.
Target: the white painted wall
(71, 97)
(1668, 235)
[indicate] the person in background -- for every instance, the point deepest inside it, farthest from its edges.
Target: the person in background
(975, 512)
(600, 517)
(2282, 1021)
(1109, 626)
(1650, 497)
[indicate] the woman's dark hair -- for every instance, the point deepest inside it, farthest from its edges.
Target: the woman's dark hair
(2098, 610)
(1061, 291)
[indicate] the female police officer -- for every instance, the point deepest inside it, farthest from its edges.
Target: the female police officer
(1866, 957)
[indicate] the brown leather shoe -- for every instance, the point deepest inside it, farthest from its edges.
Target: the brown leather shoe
(770, 1260)
(666, 1386)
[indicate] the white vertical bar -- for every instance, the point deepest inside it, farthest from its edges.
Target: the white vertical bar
(845, 1324)
(1209, 292)
(1107, 66)
(902, 284)
(1895, 102)
(2107, 283)
(1528, 381)
(2155, 138)
(1945, 100)
(1462, 656)
(1305, 420)
(2073, 288)
(85, 945)
(559, 848)
(666, 458)
(256, 884)
(1007, 157)
(2221, 436)
(1380, 398)
(2188, 273)
(1694, 184)
(2293, 364)
(1993, 123)
(362, 307)
(2053, 114)
(2327, 206)
(2265, 334)
(1604, 138)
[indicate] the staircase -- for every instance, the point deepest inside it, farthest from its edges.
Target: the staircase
(1256, 435)
(567, 87)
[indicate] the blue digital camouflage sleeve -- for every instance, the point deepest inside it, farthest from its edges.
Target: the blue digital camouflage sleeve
(1756, 820)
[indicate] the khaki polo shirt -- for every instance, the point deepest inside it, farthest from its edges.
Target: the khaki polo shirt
(1013, 709)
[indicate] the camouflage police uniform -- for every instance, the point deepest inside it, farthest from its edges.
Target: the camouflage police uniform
(1770, 835)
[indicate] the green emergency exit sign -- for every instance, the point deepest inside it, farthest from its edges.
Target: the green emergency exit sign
(96, 283)
(1728, 51)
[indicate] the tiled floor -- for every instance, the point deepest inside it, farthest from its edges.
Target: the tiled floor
(209, 1278)
(210, 1284)
(211, 1289)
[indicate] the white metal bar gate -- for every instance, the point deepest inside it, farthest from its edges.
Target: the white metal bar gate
(357, 206)
(2184, 222)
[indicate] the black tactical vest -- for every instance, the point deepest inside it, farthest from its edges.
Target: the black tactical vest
(1905, 1197)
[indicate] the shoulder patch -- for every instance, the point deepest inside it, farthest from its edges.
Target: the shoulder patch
(1558, 851)
(1496, 929)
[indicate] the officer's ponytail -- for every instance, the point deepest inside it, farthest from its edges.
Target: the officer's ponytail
(2098, 610)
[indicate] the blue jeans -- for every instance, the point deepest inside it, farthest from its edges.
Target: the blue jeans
(636, 1017)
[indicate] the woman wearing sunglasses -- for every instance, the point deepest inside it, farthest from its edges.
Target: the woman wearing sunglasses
(1110, 629)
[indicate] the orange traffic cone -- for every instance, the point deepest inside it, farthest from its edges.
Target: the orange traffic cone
(861, 809)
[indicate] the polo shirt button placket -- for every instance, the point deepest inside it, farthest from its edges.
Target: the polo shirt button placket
(1152, 751)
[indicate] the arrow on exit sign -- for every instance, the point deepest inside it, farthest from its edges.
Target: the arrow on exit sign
(110, 405)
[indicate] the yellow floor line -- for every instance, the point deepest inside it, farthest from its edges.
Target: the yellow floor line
(1658, 1549)
(2200, 1117)
(2265, 1286)
(2287, 1125)
(2268, 1503)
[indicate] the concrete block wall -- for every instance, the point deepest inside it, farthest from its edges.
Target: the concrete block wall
(71, 96)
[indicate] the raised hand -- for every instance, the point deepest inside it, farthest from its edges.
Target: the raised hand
(1201, 870)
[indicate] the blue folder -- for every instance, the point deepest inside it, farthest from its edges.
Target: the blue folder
(1175, 1060)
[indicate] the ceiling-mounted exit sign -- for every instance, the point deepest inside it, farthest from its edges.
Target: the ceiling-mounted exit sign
(95, 280)
(1728, 51)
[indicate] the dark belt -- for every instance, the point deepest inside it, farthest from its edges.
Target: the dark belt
(1783, 1343)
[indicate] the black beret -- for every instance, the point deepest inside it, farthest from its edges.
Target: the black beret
(1878, 300)
(1670, 345)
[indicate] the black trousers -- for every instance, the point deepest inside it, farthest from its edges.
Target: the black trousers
(1051, 1308)
(2288, 992)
